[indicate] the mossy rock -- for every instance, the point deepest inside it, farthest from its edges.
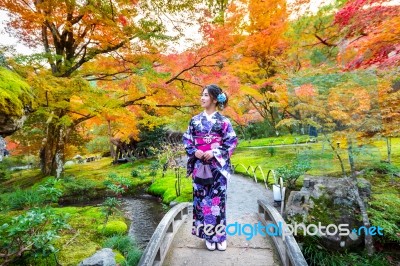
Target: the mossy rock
(15, 93)
(113, 228)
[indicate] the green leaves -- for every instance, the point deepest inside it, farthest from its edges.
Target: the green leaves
(292, 172)
(33, 231)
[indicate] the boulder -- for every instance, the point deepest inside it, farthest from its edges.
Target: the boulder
(329, 200)
(69, 163)
(10, 123)
(103, 257)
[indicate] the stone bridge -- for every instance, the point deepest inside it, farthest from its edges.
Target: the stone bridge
(247, 203)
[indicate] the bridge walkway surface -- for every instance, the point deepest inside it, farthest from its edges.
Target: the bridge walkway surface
(242, 208)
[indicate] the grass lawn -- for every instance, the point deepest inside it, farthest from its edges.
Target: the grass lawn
(323, 160)
(279, 140)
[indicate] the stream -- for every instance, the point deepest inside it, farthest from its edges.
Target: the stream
(145, 213)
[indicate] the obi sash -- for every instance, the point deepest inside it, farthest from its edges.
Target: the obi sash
(207, 142)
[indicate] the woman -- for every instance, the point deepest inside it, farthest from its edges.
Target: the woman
(209, 143)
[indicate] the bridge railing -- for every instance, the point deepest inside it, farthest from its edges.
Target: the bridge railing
(157, 248)
(286, 245)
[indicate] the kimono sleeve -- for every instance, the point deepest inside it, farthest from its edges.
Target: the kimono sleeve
(228, 145)
(188, 141)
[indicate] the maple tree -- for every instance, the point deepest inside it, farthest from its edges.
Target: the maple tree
(371, 32)
(72, 34)
(314, 35)
(256, 57)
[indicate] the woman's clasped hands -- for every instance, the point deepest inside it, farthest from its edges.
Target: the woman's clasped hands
(206, 156)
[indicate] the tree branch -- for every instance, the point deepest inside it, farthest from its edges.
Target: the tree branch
(196, 64)
(324, 41)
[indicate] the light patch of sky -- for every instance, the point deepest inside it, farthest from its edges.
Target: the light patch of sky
(312, 7)
(191, 34)
(191, 31)
(6, 39)
(183, 24)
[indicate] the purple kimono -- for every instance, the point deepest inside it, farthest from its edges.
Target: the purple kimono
(209, 195)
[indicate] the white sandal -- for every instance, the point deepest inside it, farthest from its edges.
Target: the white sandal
(222, 246)
(210, 246)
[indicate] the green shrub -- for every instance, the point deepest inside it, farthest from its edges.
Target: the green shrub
(139, 172)
(135, 173)
(33, 231)
(291, 173)
(21, 199)
(4, 172)
(73, 186)
(113, 228)
(34, 197)
(128, 248)
(384, 168)
(257, 130)
(271, 151)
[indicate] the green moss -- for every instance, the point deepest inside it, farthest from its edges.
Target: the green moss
(324, 211)
(113, 228)
(83, 239)
(15, 93)
(165, 187)
(77, 251)
(119, 258)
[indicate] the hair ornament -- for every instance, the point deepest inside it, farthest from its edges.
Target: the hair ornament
(221, 98)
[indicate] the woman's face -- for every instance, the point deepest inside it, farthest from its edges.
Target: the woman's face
(206, 100)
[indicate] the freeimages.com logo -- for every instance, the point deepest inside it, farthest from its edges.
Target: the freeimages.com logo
(280, 229)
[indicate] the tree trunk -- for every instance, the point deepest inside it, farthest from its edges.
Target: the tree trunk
(112, 150)
(389, 148)
(368, 241)
(337, 155)
(351, 158)
(52, 152)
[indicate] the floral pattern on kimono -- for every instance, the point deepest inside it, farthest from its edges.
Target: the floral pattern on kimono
(209, 200)
(219, 125)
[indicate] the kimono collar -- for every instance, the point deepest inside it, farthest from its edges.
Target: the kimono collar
(209, 117)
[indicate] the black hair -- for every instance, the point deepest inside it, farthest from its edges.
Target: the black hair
(214, 91)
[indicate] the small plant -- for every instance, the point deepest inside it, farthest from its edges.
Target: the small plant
(29, 198)
(138, 172)
(34, 231)
(271, 151)
(384, 168)
(135, 173)
(113, 228)
(154, 166)
(116, 185)
(291, 173)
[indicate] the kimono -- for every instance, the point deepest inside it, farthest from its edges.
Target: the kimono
(209, 195)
